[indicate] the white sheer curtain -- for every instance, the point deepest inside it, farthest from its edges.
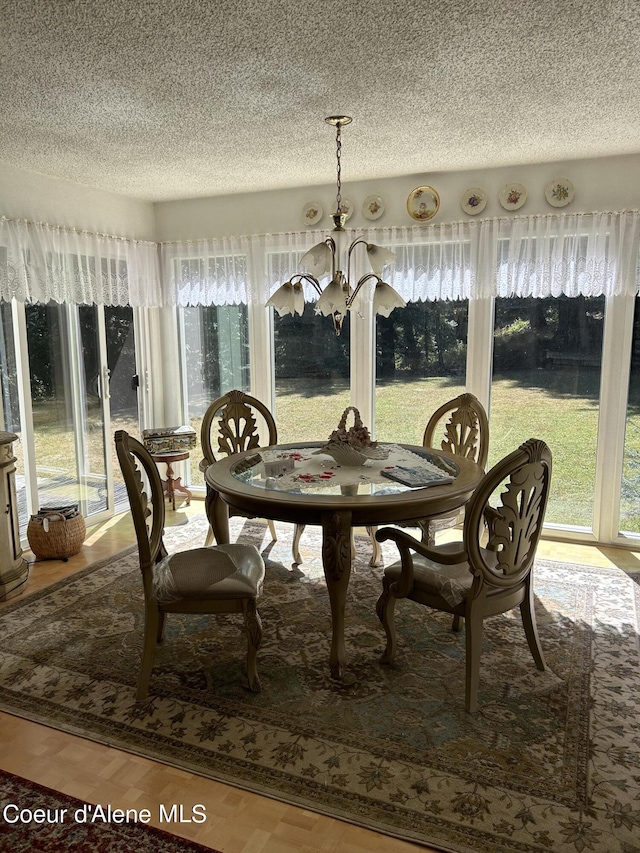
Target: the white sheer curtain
(42, 263)
(233, 270)
(432, 262)
(586, 254)
(583, 254)
(207, 272)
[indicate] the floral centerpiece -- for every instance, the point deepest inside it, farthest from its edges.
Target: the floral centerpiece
(352, 446)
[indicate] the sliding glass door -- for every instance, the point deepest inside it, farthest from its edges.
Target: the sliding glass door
(68, 380)
(120, 378)
(69, 395)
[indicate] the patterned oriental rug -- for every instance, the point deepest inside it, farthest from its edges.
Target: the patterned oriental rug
(551, 761)
(35, 818)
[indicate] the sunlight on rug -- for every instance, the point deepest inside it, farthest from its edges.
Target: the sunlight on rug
(35, 818)
(551, 761)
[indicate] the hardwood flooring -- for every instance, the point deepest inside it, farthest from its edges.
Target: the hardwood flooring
(237, 821)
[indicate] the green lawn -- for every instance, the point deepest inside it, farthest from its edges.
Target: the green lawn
(555, 405)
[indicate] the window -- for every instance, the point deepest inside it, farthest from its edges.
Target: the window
(546, 384)
(421, 353)
(630, 487)
(215, 347)
(311, 362)
(10, 405)
(311, 375)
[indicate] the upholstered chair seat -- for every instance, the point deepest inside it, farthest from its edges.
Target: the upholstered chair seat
(228, 571)
(451, 583)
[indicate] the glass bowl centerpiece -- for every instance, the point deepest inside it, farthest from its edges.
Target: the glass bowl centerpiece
(352, 446)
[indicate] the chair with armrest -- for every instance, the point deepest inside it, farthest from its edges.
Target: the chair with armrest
(220, 579)
(237, 430)
(471, 581)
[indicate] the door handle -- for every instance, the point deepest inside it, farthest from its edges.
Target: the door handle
(106, 376)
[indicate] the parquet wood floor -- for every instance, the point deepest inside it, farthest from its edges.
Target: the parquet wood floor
(237, 821)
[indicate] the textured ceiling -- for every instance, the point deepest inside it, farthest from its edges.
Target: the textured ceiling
(167, 99)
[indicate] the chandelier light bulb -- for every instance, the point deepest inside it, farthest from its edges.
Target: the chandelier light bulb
(379, 257)
(288, 299)
(385, 299)
(317, 260)
(332, 299)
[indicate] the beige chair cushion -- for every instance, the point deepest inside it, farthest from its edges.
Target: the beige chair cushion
(451, 583)
(219, 572)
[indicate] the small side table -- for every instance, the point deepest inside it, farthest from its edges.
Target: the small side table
(172, 484)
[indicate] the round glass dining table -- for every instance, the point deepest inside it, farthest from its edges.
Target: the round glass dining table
(300, 484)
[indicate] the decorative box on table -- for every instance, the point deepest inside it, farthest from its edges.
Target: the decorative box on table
(178, 439)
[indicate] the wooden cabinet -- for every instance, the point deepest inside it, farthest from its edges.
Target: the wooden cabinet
(13, 568)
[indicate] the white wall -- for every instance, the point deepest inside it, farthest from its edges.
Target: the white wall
(29, 195)
(608, 183)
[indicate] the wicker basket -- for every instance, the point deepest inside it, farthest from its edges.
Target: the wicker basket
(54, 537)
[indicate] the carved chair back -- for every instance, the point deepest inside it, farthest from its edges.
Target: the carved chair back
(514, 526)
(148, 512)
(237, 427)
(466, 432)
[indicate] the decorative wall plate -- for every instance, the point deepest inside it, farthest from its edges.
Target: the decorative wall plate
(312, 212)
(473, 201)
(373, 207)
(512, 196)
(346, 207)
(423, 203)
(559, 192)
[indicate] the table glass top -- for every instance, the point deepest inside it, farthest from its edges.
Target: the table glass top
(307, 470)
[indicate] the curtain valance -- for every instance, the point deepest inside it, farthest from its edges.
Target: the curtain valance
(586, 254)
(42, 263)
(583, 254)
(232, 270)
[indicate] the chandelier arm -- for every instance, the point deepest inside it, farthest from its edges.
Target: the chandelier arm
(363, 280)
(356, 243)
(307, 277)
(351, 248)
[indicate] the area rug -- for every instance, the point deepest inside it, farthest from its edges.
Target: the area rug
(551, 761)
(34, 818)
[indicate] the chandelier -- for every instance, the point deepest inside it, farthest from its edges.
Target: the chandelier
(333, 256)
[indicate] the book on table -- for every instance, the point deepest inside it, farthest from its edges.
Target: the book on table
(418, 476)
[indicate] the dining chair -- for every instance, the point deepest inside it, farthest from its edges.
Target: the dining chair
(459, 426)
(236, 430)
(471, 580)
(219, 579)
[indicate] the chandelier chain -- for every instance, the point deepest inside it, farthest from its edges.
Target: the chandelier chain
(338, 168)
